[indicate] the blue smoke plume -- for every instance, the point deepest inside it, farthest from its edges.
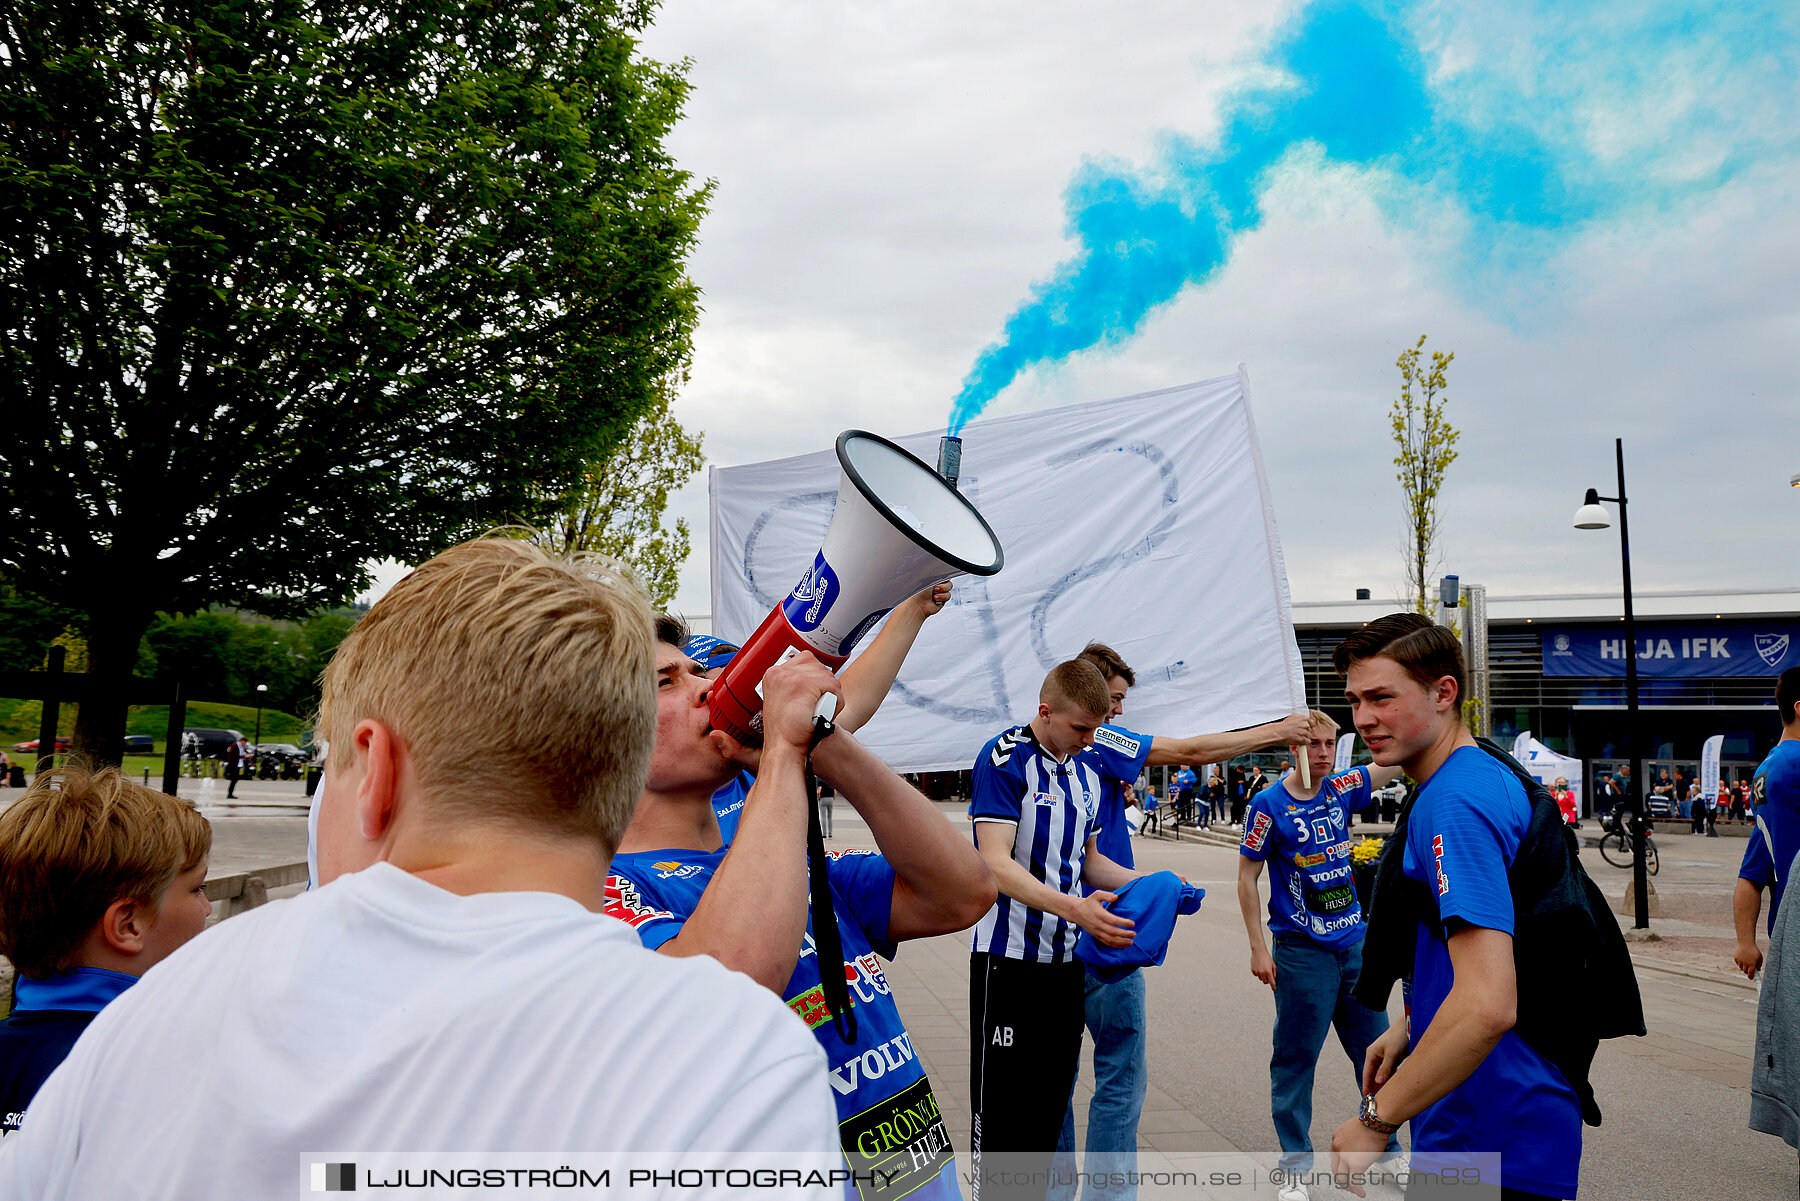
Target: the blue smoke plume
(1533, 122)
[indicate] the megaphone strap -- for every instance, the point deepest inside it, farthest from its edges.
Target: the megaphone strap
(826, 939)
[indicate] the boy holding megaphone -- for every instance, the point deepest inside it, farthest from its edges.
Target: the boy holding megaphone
(686, 893)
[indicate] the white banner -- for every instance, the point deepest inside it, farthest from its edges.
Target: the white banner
(1709, 766)
(1346, 743)
(1144, 523)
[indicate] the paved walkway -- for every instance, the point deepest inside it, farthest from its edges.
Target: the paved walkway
(1675, 1102)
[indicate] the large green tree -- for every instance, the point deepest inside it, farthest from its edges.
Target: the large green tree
(224, 655)
(292, 285)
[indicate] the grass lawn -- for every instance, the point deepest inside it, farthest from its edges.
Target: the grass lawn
(154, 721)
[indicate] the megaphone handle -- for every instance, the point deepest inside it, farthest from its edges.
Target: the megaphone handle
(826, 939)
(825, 711)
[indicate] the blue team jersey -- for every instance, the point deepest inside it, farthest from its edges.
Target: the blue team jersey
(47, 1018)
(32, 1045)
(888, 1119)
(1119, 756)
(728, 804)
(1775, 797)
(1053, 806)
(1184, 780)
(1307, 847)
(1461, 838)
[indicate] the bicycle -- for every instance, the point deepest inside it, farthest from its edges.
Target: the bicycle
(1615, 847)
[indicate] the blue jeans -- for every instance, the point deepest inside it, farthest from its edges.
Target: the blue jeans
(1312, 994)
(1115, 1017)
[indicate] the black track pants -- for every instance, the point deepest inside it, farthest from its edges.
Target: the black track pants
(1025, 1023)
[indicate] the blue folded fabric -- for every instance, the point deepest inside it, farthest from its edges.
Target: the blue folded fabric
(1153, 902)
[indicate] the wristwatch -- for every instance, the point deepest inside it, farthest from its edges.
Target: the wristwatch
(1368, 1117)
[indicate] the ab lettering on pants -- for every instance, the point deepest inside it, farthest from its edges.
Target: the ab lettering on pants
(1027, 1040)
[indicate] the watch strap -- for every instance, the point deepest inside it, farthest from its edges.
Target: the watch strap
(1368, 1116)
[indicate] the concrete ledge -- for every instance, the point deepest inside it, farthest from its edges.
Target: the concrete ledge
(1682, 826)
(233, 894)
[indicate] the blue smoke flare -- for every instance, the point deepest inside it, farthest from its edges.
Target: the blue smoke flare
(1535, 125)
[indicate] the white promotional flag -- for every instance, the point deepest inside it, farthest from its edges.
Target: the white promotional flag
(1709, 766)
(1144, 523)
(1345, 745)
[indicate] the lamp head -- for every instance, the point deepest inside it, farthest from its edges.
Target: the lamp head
(1591, 516)
(1795, 482)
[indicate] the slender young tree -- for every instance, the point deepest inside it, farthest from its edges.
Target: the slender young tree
(617, 507)
(1427, 443)
(287, 286)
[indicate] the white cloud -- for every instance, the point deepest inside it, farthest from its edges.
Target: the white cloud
(889, 187)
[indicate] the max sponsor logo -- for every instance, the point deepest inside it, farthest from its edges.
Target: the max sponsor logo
(1437, 853)
(1339, 785)
(1258, 832)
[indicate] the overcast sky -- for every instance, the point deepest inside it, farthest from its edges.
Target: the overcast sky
(1594, 210)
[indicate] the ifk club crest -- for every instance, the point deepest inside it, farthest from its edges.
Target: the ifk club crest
(1772, 647)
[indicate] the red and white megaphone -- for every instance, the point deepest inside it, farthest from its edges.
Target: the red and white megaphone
(898, 528)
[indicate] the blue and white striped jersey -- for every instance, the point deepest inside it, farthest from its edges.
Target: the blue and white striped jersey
(1056, 808)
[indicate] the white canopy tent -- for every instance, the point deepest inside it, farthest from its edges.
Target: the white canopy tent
(1545, 764)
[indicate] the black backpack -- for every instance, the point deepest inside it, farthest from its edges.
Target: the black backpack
(1566, 941)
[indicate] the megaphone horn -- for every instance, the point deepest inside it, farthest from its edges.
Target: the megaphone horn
(898, 528)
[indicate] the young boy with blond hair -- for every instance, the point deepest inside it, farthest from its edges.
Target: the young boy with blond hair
(1035, 809)
(452, 984)
(100, 880)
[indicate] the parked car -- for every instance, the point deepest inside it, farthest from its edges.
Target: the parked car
(212, 743)
(135, 744)
(62, 744)
(278, 760)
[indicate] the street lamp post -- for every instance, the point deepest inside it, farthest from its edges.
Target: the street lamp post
(260, 689)
(1592, 517)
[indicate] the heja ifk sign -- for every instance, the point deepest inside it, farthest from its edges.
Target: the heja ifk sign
(1674, 652)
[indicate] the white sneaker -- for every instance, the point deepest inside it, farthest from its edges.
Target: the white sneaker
(1294, 1192)
(1394, 1167)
